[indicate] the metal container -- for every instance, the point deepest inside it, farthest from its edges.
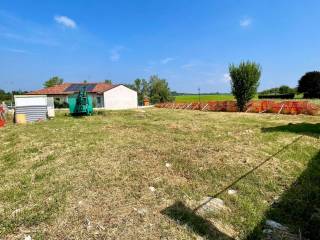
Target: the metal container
(31, 108)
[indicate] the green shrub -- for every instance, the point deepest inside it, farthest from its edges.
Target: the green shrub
(58, 104)
(309, 85)
(244, 82)
(277, 96)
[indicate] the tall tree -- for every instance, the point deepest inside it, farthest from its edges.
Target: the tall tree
(139, 86)
(159, 90)
(309, 85)
(244, 82)
(144, 88)
(53, 81)
(108, 81)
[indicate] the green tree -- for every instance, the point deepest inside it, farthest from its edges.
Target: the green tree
(137, 84)
(284, 89)
(137, 88)
(159, 90)
(4, 96)
(53, 81)
(108, 81)
(244, 82)
(309, 85)
(129, 85)
(142, 88)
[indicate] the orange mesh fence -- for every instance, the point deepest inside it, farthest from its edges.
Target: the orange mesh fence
(284, 107)
(2, 117)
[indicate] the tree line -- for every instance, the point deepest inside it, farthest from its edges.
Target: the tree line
(284, 89)
(155, 89)
(8, 96)
(245, 80)
(308, 85)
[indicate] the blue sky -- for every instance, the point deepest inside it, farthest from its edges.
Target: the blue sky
(190, 43)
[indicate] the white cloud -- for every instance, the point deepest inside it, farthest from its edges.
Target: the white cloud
(65, 21)
(114, 56)
(245, 22)
(188, 65)
(26, 31)
(115, 53)
(14, 50)
(226, 77)
(167, 60)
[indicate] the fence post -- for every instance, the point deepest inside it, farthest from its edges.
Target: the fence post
(204, 107)
(281, 108)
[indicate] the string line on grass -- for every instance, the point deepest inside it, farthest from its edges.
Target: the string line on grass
(247, 173)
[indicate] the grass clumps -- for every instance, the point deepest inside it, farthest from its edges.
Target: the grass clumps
(90, 177)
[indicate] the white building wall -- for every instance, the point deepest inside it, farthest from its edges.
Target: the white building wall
(120, 97)
(30, 100)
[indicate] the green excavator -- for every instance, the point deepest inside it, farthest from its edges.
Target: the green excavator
(81, 103)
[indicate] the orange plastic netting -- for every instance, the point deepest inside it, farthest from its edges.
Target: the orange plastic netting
(283, 107)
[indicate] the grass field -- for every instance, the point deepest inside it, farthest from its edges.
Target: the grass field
(138, 174)
(203, 98)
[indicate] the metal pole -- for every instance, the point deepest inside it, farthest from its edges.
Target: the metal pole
(12, 98)
(199, 98)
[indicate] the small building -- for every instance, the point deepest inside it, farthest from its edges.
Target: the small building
(32, 108)
(104, 95)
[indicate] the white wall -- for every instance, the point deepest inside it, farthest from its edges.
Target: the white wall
(30, 100)
(120, 97)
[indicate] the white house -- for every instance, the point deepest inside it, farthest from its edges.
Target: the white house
(120, 97)
(104, 95)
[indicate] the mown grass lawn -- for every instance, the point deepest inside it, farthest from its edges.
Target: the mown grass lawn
(117, 175)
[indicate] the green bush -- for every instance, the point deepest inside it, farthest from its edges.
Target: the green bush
(277, 96)
(58, 104)
(284, 89)
(309, 85)
(244, 82)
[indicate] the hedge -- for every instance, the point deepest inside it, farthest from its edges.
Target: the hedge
(277, 96)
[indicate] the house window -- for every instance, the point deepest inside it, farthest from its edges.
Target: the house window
(99, 101)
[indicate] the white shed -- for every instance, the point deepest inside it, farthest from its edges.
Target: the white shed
(120, 97)
(33, 107)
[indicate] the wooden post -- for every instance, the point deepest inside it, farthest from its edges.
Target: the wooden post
(281, 108)
(204, 107)
(188, 106)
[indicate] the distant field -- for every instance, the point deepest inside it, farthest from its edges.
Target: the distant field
(203, 98)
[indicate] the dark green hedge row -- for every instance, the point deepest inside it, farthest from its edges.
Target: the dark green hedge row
(277, 96)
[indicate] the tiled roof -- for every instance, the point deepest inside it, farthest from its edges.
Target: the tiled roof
(61, 89)
(103, 87)
(58, 89)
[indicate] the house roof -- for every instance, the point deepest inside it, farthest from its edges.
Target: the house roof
(70, 88)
